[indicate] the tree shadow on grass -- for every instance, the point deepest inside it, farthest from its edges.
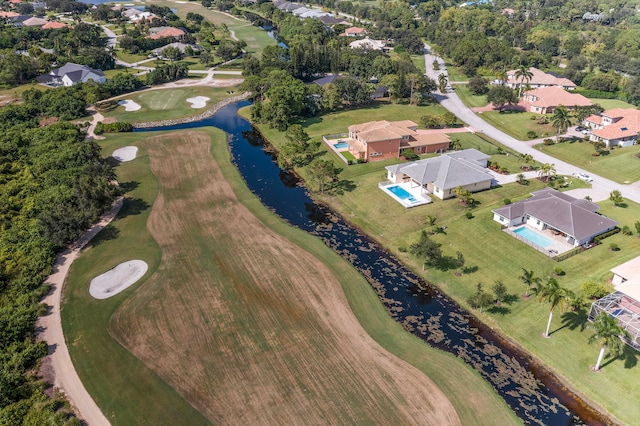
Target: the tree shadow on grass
(133, 206)
(108, 233)
(469, 269)
(499, 310)
(510, 299)
(342, 186)
(128, 186)
(574, 320)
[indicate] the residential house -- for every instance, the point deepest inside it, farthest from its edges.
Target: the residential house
(614, 127)
(4, 14)
(54, 25)
(367, 43)
(574, 218)
(131, 11)
(627, 272)
(538, 79)
(181, 46)
(34, 21)
(379, 140)
(354, 32)
(70, 74)
(441, 175)
(156, 33)
(328, 79)
(330, 21)
(546, 99)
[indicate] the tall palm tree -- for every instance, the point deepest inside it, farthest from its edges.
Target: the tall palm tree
(556, 296)
(523, 73)
(442, 82)
(608, 332)
(501, 76)
(561, 120)
(529, 280)
(526, 160)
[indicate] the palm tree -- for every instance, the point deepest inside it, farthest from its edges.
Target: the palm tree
(546, 171)
(529, 280)
(523, 73)
(560, 120)
(527, 159)
(442, 82)
(609, 333)
(555, 296)
(501, 76)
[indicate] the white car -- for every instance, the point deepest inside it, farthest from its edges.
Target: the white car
(585, 177)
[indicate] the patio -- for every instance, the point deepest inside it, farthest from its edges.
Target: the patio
(406, 193)
(558, 241)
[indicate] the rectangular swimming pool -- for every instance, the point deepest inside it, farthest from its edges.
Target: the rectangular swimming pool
(534, 237)
(340, 145)
(400, 192)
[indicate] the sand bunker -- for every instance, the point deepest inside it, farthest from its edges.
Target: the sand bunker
(129, 105)
(198, 101)
(126, 153)
(117, 279)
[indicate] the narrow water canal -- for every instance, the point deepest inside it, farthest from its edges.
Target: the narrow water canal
(533, 394)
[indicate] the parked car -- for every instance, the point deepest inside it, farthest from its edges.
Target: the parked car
(586, 131)
(579, 128)
(585, 177)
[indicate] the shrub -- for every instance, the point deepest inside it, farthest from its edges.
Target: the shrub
(601, 237)
(531, 134)
(593, 290)
(118, 127)
(558, 271)
(468, 215)
(402, 249)
(626, 230)
(409, 154)
(614, 247)
(547, 142)
(506, 201)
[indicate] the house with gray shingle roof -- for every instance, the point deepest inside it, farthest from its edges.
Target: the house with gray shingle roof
(70, 74)
(573, 218)
(441, 175)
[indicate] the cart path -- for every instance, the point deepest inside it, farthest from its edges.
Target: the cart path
(57, 367)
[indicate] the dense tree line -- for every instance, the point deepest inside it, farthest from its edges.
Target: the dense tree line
(53, 185)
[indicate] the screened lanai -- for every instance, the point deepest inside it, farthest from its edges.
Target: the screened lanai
(625, 309)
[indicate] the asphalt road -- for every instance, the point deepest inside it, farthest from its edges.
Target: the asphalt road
(452, 102)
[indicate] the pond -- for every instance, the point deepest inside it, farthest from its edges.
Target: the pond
(532, 392)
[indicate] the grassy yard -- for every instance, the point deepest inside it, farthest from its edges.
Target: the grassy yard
(131, 393)
(611, 103)
(418, 61)
(484, 246)
(518, 124)
(468, 98)
(131, 58)
(620, 165)
(16, 92)
(166, 103)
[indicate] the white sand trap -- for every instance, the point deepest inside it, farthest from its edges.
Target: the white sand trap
(126, 153)
(129, 105)
(198, 101)
(117, 279)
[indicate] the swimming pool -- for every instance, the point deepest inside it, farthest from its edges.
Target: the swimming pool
(401, 193)
(533, 237)
(341, 145)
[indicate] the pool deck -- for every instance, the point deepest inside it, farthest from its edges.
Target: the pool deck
(415, 191)
(558, 245)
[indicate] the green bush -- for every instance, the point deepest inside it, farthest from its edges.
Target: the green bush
(614, 247)
(593, 290)
(605, 235)
(558, 271)
(547, 142)
(626, 230)
(118, 127)
(468, 215)
(506, 201)
(531, 134)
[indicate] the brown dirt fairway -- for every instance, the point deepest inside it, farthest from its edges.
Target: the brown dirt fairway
(250, 328)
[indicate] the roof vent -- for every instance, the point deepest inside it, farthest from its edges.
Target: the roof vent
(623, 129)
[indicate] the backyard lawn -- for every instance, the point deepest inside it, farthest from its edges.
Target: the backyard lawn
(611, 103)
(620, 164)
(518, 123)
(418, 61)
(165, 104)
(468, 98)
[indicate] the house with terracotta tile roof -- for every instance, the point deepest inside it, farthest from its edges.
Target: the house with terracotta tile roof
(379, 140)
(5, 14)
(166, 32)
(54, 25)
(441, 175)
(538, 79)
(546, 99)
(614, 127)
(353, 32)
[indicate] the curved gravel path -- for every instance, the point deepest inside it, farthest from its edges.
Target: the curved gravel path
(57, 367)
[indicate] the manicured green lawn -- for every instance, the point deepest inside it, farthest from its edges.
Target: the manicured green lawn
(611, 103)
(518, 124)
(131, 58)
(129, 393)
(418, 61)
(16, 92)
(455, 74)
(167, 103)
(620, 165)
(468, 98)
(509, 159)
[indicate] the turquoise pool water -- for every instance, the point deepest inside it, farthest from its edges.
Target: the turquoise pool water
(533, 237)
(341, 145)
(401, 193)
